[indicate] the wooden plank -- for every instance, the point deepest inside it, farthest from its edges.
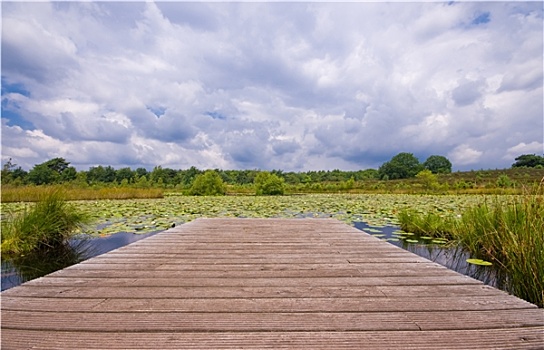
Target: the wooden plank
(253, 282)
(481, 339)
(272, 305)
(200, 292)
(264, 283)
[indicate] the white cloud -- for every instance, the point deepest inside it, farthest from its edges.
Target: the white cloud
(465, 155)
(524, 148)
(288, 86)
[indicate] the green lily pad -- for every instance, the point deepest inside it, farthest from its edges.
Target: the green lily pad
(411, 240)
(479, 262)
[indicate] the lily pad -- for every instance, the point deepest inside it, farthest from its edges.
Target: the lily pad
(411, 240)
(379, 235)
(479, 262)
(439, 241)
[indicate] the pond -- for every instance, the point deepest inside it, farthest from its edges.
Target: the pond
(452, 257)
(80, 248)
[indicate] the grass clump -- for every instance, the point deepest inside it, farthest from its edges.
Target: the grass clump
(47, 224)
(429, 224)
(510, 234)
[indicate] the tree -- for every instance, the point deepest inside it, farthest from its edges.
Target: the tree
(402, 166)
(124, 174)
(57, 164)
(101, 174)
(208, 184)
(438, 164)
(270, 184)
(50, 172)
(11, 174)
(187, 177)
(529, 161)
(68, 174)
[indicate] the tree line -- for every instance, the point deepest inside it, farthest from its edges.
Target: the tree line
(58, 171)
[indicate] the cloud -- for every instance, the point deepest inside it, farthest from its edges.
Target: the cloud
(465, 155)
(292, 86)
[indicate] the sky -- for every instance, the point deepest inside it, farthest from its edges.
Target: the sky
(258, 85)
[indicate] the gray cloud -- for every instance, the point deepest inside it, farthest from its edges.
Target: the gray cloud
(293, 86)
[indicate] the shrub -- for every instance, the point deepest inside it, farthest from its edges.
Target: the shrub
(208, 184)
(269, 184)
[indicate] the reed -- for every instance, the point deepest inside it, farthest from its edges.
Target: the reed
(44, 225)
(34, 193)
(429, 224)
(509, 234)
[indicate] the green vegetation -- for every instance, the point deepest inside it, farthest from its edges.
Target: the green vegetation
(506, 232)
(269, 184)
(438, 164)
(400, 175)
(208, 184)
(45, 225)
(529, 160)
(402, 166)
(71, 193)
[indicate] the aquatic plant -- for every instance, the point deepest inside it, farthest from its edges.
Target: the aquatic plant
(44, 225)
(508, 233)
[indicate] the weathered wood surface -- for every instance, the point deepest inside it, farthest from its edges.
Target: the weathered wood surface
(264, 283)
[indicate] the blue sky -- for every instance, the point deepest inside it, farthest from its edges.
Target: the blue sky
(256, 85)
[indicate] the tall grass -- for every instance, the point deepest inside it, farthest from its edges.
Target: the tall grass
(34, 193)
(45, 225)
(509, 234)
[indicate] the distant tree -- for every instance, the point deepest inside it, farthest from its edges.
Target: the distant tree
(529, 161)
(101, 174)
(40, 174)
(208, 184)
(57, 164)
(269, 184)
(124, 174)
(402, 166)
(186, 177)
(11, 174)
(438, 164)
(141, 172)
(68, 174)
(367, 174)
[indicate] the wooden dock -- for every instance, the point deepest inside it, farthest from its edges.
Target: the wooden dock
(264, 283)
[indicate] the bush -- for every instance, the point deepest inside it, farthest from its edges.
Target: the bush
(269, 184)
(46, 225)
(208, 184)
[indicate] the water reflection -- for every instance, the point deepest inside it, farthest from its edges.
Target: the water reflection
(452, 257)
(25, 268)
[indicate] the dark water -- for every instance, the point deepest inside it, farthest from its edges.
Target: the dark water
(454, 258)
(30, 267)
(78, 249)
